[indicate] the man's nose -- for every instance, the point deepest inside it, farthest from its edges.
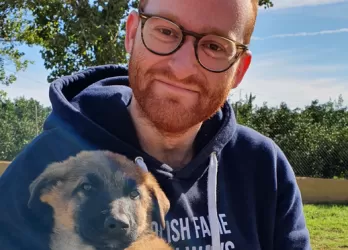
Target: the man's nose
(183, 62)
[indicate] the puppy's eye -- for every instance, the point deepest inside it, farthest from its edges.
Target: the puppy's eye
(134, 194)
(86, 186)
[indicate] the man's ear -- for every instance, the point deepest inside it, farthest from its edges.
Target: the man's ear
(44, 182)
(132, 24)
(160, 200)
(243, 67)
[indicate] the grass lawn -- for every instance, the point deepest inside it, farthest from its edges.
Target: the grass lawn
(328, 226)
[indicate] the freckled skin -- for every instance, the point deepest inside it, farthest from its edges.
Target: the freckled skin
(100, 200)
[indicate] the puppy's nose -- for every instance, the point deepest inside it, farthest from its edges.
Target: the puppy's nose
(112, 224)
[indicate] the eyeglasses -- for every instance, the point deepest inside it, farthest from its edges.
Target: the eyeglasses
(163, 37)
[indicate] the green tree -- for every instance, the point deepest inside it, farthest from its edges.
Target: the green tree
(21, 120)
(12, 24)
(314, 139)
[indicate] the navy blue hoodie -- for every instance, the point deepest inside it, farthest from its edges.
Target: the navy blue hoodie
(238, 191)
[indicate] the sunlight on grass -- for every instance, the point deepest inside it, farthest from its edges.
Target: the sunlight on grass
(328, 226)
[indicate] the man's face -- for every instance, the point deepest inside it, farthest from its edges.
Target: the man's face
(175, 92)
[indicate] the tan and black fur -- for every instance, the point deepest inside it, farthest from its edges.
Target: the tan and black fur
(101, 201)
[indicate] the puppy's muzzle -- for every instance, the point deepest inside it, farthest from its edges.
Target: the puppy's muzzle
(116, 225)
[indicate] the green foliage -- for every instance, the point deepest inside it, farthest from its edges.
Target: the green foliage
(314, 139)
(266, 3)
(21, 120)
(74, 34)
(12, 24)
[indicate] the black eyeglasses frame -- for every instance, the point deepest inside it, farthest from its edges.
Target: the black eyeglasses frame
(145, 17)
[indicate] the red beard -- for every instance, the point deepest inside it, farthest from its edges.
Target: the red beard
(170, 114)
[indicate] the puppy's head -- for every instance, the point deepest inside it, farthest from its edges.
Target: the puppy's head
(103, 197)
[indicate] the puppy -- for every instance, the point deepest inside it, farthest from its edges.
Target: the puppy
(101, 201)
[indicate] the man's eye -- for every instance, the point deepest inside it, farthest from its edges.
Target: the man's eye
(214, 47)
(134, 194)
(167, 32)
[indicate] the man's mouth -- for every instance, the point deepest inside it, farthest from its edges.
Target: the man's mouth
(176, 87)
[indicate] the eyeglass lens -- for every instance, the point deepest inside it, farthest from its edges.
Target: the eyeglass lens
(163, 37)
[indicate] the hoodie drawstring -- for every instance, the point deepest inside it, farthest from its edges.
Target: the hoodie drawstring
(140, 161)
(212, 198)
(212, 202)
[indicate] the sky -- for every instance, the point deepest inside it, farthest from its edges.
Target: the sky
(299, 50)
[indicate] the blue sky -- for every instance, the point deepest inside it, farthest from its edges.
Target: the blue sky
(299, 54)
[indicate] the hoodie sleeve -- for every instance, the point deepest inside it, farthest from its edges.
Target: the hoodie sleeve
(22, 228)
(290, 226)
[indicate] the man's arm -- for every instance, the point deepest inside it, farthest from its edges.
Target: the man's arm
(290, 231)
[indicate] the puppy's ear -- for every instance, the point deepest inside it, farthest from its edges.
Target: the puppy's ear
(160, 200)
(45, 181)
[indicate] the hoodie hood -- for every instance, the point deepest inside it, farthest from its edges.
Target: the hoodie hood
(98, 98)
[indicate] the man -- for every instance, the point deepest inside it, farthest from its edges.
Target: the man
(229, 186)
